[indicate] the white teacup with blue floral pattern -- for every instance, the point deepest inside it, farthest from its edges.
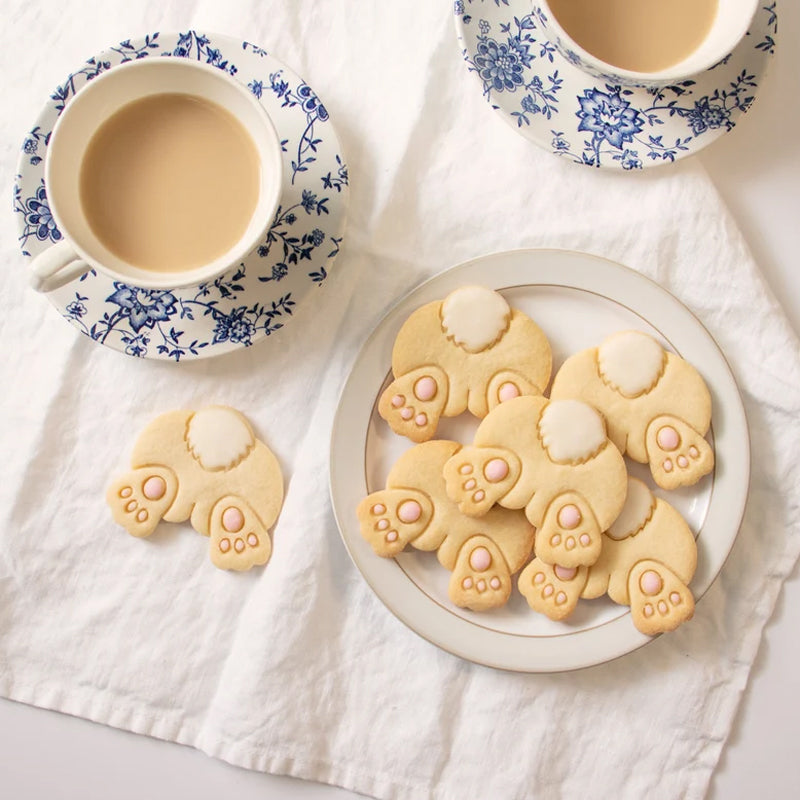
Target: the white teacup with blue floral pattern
(81, 250)
(731, 23)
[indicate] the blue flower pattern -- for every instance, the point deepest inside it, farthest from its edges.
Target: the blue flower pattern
(186, 323)
(613, 125)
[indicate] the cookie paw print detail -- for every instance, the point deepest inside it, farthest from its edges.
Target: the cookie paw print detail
(140, 499)
(392, 518)
(569, 534)
(481, 579)
(476, 478)
(238, 539)
(660, 601)
(207, 467)
(678, 454)
(656, 405)
(468, 352)
(551, 589)
(413, 403)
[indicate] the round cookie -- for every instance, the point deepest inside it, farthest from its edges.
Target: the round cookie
(207, 466)
(414, 509)
(656, 405)
(552, 458)
(470, 351)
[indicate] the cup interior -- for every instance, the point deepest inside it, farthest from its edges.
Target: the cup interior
(731, 22)
(105, 95)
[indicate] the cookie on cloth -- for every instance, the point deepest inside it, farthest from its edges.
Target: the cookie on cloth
(414, 509)
(470, 351)
(209, 467)
(552, 458)
(656, 404)
(648, 558)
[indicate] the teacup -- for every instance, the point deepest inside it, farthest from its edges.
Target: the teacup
(94, 123)
(730, 23)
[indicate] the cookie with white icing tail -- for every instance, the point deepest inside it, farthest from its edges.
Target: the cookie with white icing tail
(470, 351)
(209, 467)
(648, 559)
(414, 509)
(552, 458)
(656, 404)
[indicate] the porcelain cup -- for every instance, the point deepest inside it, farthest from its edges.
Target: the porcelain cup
(731, 23)
(81, 249)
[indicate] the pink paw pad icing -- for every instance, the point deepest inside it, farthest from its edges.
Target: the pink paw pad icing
(508, 391)
(651, 583)
(154, 488)
(232, 519)
(569, 517)
(668, 439)
(409, 511)
(495, 470)
(565, 573)
(425, 389)
(480, 559)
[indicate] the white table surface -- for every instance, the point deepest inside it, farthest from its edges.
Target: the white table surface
(757, 170)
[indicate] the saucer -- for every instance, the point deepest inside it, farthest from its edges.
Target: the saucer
(588, 121)
(259, 295)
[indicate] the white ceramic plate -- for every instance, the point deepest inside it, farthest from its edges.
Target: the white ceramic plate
(589, 121)
(577, 299)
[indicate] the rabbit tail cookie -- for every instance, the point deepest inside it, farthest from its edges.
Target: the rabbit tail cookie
(553, 459)
(209, 467)
(648, 560)
(470, 351)
(414, 509)
(656, 405)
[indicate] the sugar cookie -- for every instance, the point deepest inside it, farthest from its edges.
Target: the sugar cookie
(414, 509)
(209, 467)
(649, 563)
(656, 405)
(470, 351)
(551, 458)
(648, 558)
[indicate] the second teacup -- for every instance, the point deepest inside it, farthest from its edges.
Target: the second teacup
(644, 42)
(161, 173)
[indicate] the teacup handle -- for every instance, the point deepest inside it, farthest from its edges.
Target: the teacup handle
(56, 266)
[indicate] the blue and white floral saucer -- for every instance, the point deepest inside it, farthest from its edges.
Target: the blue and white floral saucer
(254, 299)
(583, 119)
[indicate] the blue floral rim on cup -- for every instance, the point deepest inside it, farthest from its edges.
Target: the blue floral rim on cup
(591, 121)
(257, 297)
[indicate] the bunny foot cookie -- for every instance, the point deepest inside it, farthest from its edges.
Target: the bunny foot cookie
(414, 509)
(656, 405)
(206, 466)
(552, 458)
(470, 351)
(647, 562)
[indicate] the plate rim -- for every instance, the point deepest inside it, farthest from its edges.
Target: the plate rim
(350, 430)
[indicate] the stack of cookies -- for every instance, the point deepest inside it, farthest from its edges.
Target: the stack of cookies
(544, 487)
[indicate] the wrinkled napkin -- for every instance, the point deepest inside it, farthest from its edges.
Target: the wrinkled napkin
(298, 668)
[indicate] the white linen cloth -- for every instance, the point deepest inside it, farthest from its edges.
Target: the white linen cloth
(298, 668)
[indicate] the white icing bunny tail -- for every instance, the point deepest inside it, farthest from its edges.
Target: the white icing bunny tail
(571, 431)
(639, 506)
(475, 317)
(219, 438)
(631, 362)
